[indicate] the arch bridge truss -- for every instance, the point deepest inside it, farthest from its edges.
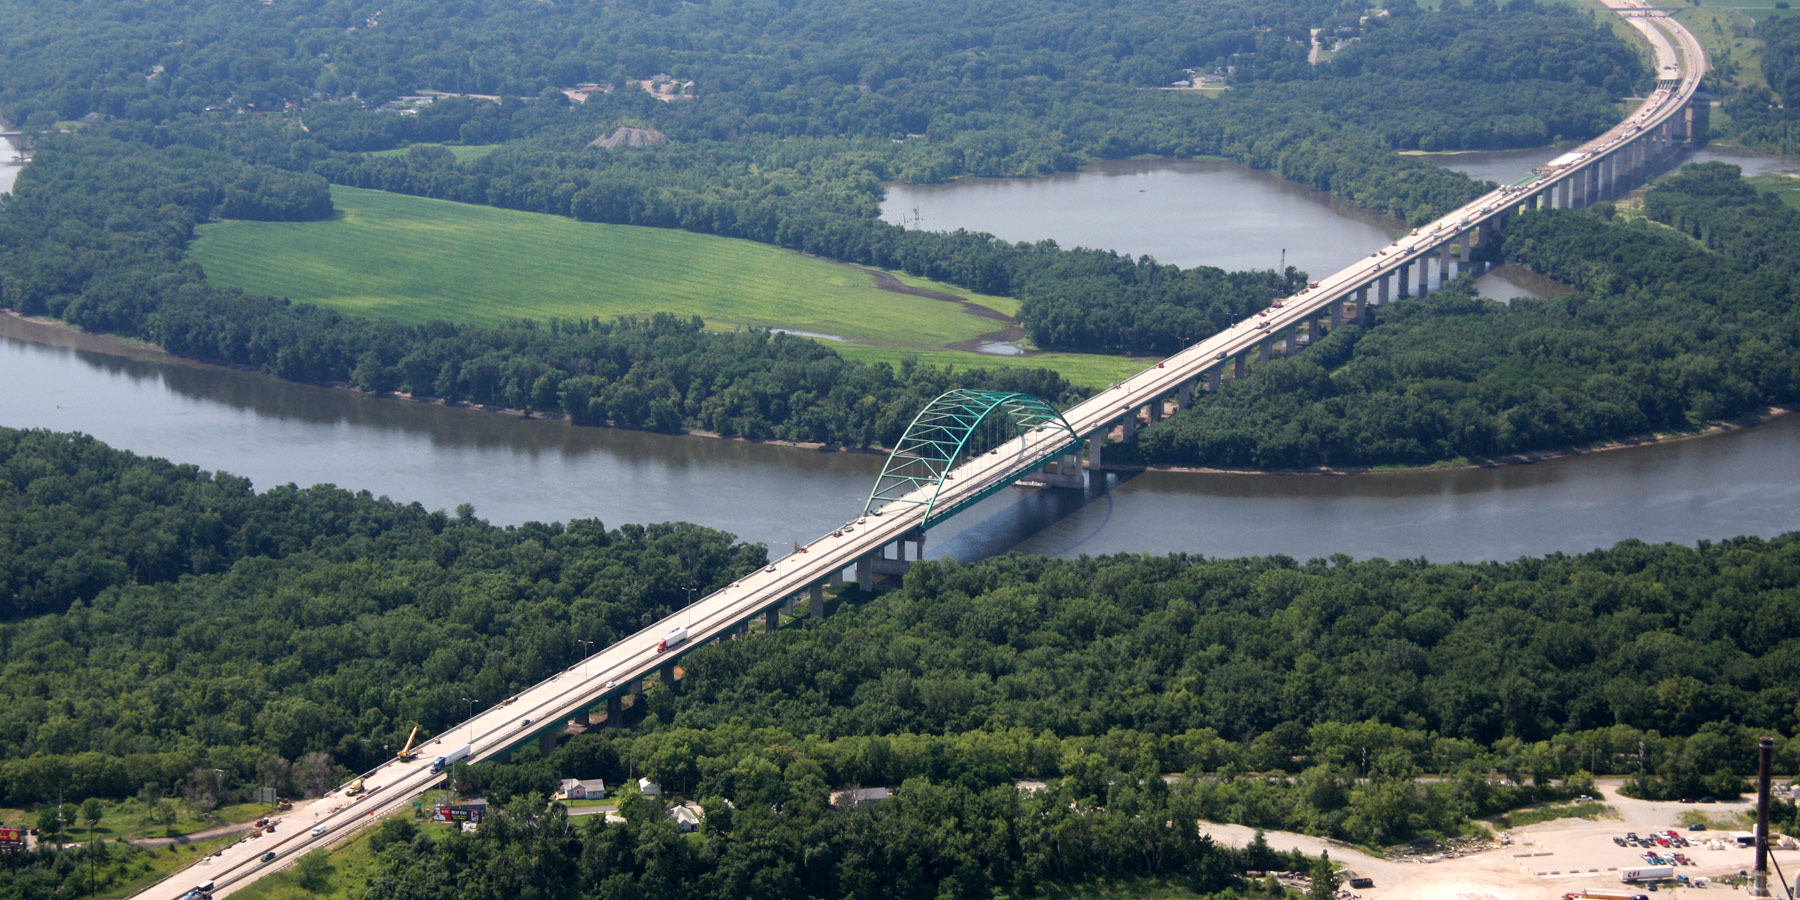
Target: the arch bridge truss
(957, 426)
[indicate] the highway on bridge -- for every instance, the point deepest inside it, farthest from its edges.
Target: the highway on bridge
(543, 708)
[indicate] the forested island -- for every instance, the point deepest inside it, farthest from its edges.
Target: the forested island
(98, 225)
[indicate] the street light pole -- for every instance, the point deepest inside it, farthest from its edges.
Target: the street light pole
(471, 718)
(690, 607)
(588, 651)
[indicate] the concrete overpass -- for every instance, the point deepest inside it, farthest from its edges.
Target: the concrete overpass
(956, 472)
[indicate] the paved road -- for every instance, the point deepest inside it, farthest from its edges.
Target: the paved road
(545, 705)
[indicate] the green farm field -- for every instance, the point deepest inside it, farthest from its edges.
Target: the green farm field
(414, 259)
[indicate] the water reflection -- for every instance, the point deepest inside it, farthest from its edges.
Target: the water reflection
(514, 470)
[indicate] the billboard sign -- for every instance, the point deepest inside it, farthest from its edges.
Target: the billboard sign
(11, 836)
(457, 813)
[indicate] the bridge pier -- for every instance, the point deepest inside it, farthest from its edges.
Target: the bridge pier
(1156, 410)
(771, 619)
(1239, 367)
(1405, 290)
(581, 719)
(865, 574)
(1096, 445)
(615, 711)
(547, 743)
(1424, 264)
(1213, 376)
(667, 672)
(1262, 350)
(1362, 302)
(1381, 294)
(817, 596)
(1444, 272)
(1292, 344)
(1128, 427)
(1184, 397)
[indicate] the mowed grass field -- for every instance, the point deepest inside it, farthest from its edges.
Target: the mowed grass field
(414, 259)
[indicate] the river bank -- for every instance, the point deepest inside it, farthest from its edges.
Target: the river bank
(133, 348)
(1513, 459)
(49, 329)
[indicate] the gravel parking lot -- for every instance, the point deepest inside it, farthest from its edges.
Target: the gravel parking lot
(1544, 861)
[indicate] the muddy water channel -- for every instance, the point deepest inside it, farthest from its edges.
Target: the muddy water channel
(514, 470)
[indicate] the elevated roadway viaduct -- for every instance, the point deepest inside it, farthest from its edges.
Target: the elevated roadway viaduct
(1044, 447)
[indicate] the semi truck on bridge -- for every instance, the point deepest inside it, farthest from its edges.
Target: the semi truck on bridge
(451, 758)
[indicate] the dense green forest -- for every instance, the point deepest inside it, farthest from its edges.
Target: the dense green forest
(209, 605)
(170, 618)
(1666, 335)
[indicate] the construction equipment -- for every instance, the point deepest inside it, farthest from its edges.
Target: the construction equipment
(409, 751)
(354, 787)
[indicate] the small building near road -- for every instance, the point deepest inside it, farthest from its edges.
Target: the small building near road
(856, 797)
(581, 789)
(649, 788)
(687, 817)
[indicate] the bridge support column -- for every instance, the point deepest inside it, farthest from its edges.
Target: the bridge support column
(837, 579)
(1262, 350)
(1405, 289)
(1184, 397)
(1444, 272)
(1213, 377)
(1381, 294)
(1239, 366)
(1337, 313)
(771, 619)
(1362, 303)
(1096, 444)
(818, 595)
(582, 719)
(615, 711)
(1128, 427)
(1156, 410)
(919, 537)
(1291, 345)
(865, 574)
(547, 743)
(667, 671)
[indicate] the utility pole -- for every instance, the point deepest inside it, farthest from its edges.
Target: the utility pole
(1759, 876)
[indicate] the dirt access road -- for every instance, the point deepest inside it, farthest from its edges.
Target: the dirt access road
(1544, 861)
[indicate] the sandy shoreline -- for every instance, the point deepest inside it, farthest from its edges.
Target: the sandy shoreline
(80, 339)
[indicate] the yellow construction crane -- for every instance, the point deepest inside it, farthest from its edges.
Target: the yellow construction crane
(409, 751)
